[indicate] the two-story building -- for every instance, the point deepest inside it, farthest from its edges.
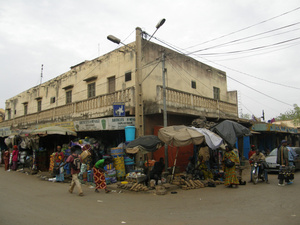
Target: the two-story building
(126, 87)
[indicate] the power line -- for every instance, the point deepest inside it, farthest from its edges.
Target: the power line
(264, 21)
(251, 49)
(241, 39)
(284, 85)
(259, 91)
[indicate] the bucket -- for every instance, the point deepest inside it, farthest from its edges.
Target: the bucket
(129, 133)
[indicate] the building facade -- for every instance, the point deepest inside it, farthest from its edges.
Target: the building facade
(130, 77)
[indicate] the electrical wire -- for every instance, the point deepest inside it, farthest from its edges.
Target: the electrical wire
(248, 27)
(272, 82)
(245, 38)
(251, 49)
(259, 91)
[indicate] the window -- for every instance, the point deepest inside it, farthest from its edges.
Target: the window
(39, 105)
(9, 114)
(68, 97)
(52, 100)
(127, 76)
(216, 93)
(25, 109)
(91, 90)
(111, 84)
(193, 84)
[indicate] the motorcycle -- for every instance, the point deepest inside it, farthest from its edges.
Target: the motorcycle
(256, 172)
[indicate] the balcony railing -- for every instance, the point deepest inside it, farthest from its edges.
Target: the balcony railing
(101, 106)
(179, 99)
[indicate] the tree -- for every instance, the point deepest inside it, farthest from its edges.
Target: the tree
(245, 116)
(293, 114)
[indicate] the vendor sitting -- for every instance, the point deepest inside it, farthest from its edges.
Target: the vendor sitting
(204, 172)
(190, 169)
(157, 170)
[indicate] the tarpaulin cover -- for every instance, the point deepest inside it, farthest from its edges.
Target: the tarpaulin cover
(180, 136)
(230, 131)
(144, 144)
(213, 140)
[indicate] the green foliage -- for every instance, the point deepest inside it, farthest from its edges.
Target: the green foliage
(245, 116)
(293, 114)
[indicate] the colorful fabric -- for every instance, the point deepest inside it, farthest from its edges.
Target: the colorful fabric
(59, 156)
(99, 179)
(100, 164)
(51, 166)
(15, 155)
(206, 173)
(6, 159)
(14, 165)
(60, 177)
(230, 174)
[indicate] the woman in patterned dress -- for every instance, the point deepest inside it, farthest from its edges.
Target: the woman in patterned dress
(99, 174)
(230, 174)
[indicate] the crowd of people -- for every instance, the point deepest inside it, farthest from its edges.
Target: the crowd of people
(199, 166)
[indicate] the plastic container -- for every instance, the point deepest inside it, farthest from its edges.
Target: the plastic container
(129, 133)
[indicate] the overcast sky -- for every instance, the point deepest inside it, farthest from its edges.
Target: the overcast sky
(256, 42)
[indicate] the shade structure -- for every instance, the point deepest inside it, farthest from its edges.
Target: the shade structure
(230, 131)
(54, 130)
(180, 136)
(144, 144)
(213, 140)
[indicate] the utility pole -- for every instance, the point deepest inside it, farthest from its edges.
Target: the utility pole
(41, 80)
(165, 106)
(139, 106)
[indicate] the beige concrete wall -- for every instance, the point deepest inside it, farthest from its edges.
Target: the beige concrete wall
(181, 70)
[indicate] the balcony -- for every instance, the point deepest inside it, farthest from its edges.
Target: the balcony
(101, 106)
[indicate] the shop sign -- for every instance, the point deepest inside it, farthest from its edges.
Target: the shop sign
(5, 131)
(111, 123)
(274, 128)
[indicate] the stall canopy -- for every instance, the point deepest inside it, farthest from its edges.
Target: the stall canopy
(144, 144)
(54, 130)
(230, 131)
(180, 136)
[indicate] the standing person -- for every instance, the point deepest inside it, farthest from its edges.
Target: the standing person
(6, 159)
(252, 151)
(15, 155)
(74, 172)
(99, 174)
(230, 174)
(292, 154)
(59, 159)
(283, 161)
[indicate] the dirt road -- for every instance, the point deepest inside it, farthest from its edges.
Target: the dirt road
(27, 200)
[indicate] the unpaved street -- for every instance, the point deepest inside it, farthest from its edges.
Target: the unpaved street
(27, 200)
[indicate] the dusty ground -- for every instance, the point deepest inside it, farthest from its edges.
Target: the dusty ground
(28, 200)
